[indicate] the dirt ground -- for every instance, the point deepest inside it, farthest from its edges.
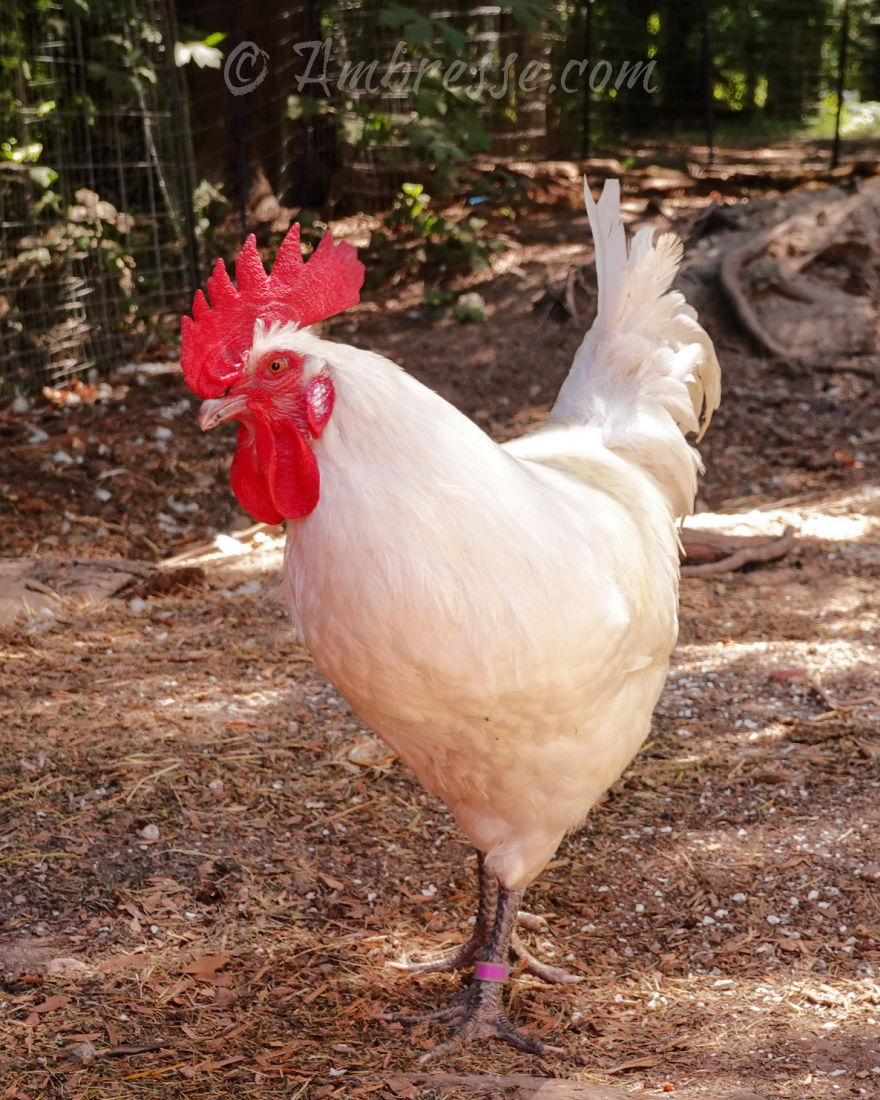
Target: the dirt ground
(207, 862)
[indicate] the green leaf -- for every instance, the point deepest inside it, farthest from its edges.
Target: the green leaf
(352, 127)
(419, 29)
(436, 298)
(453, 38)
(532, 13)
(299, 106)
(395, 15)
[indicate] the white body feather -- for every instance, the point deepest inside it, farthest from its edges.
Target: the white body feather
(503, 616)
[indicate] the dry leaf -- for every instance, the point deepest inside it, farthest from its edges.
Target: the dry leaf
(371, 753)
(58, 1000)
(644, 1062)
(401, 1087)
(206, 967)
(119, 962)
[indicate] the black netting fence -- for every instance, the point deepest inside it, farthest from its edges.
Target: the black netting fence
(138, 141)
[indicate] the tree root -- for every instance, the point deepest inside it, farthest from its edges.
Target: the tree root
(711, 553)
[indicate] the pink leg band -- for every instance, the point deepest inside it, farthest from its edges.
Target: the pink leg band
(491, 972)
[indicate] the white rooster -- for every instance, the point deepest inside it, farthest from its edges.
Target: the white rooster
(501, 616)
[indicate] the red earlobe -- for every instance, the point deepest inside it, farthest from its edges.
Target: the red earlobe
(319, 403)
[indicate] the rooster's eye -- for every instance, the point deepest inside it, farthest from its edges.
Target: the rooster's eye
(277, 365)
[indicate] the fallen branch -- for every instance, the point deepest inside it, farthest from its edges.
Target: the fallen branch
(834, 215)
(520, 1086)
(517, 1086)
(867, 367)
(705, 545)
(28, 585)
(250, 535)
(86, 1053)
(731, 266)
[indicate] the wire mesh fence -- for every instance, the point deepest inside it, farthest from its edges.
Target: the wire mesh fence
(138, 140)
(95, 196)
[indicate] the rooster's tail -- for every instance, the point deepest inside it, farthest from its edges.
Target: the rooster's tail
(646, 371)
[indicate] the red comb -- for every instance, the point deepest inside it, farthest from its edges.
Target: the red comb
(217, 336)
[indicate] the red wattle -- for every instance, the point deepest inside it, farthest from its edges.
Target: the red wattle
(250, 462)
(274, 473)
(294, 482)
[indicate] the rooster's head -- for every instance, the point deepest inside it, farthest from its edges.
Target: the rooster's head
(232, 355)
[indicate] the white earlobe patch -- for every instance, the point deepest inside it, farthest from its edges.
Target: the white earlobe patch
(319, 403)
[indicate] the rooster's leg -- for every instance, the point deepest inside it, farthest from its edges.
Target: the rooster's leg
(467, 952)
(478, 1011)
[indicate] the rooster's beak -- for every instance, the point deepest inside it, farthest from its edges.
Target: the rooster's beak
(217, 409)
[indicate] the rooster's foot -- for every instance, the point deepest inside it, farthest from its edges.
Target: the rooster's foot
(478, 1010)
(475, 1013)
(531, 965)
(455, 959)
